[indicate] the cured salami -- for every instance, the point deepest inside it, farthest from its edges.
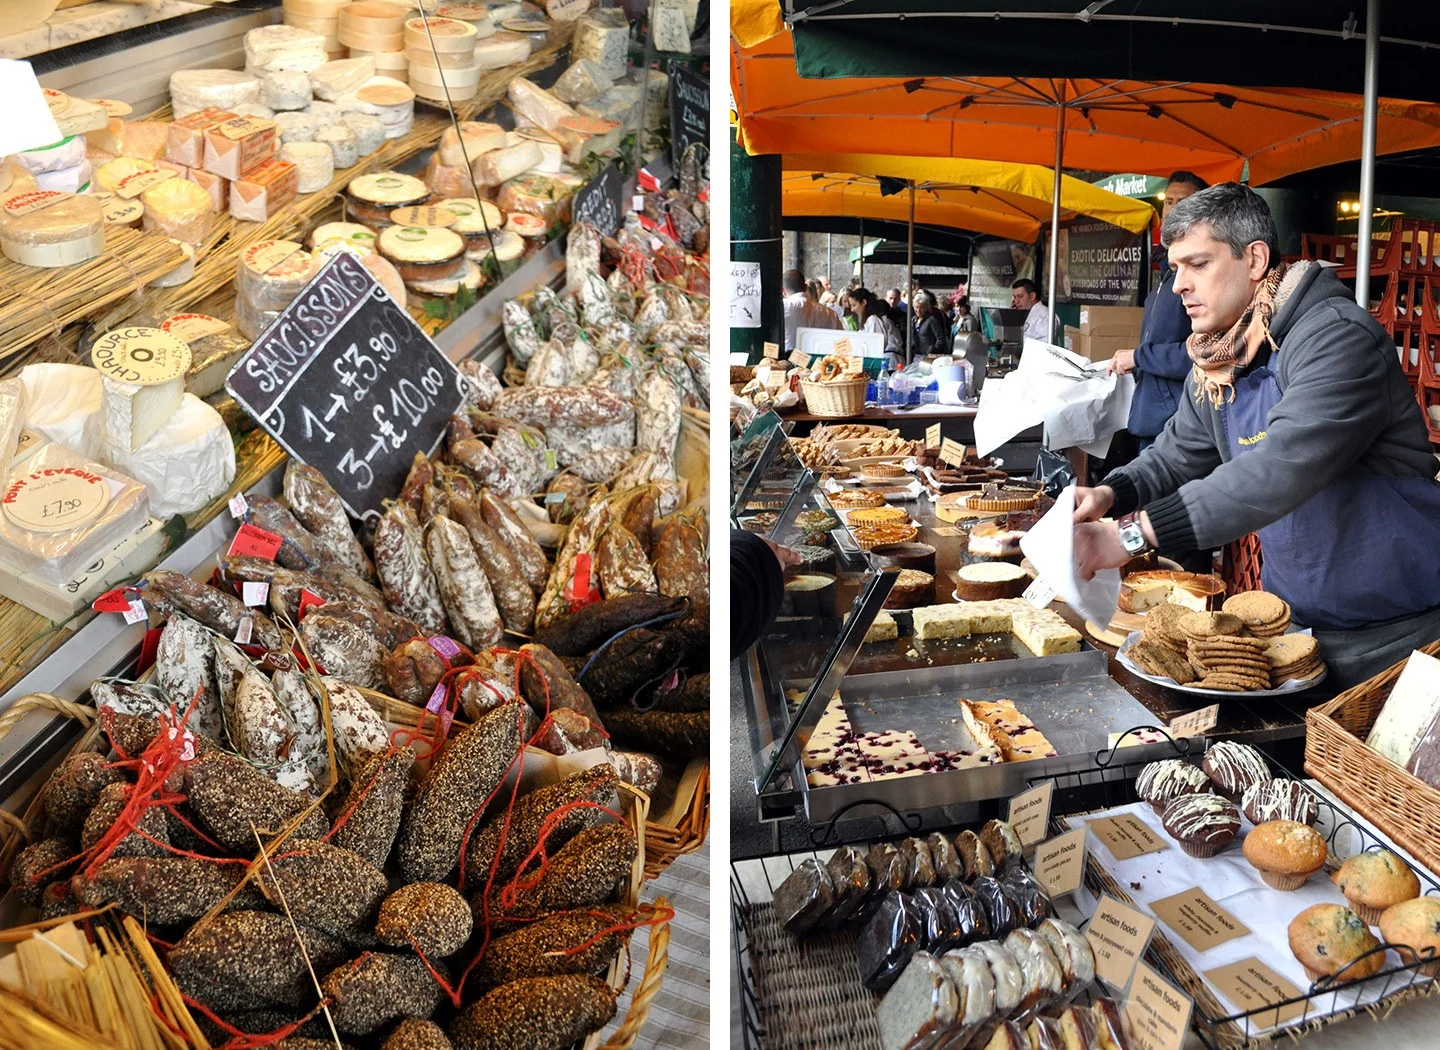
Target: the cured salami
(318, 508)
(517, 539)
(464, 587)
(513, 596)
(409, 585)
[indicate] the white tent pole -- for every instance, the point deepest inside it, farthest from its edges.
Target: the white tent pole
(910, 273)
(1054, 275)
(1367, 152)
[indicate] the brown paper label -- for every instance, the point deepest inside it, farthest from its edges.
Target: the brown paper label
(35, 200)
(1060, 863)
(1030, 813)
(424, 215)
(772, 351)
(952, 452)
(1199, 921)
(1118, 935)
(55, 500)
(1126, 836)
(566, 10)
(932, 436)
(799, 359)
(122, 211)
(267, 255)
(945, 530)
(191, 327)
(1196, 723)
(843, 347)
(145, 356)
(1250, 984)
(131, 186)
(243, 127)
(385, 94)
(1156, 1012)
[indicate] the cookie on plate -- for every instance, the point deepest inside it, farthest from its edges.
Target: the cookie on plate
(1156, 659)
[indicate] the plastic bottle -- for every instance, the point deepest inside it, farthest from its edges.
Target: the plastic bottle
(882, 387)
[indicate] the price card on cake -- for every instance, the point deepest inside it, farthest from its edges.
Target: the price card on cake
(1030, 813)
(772, 351)
(1250, 984)
(952, 452)
(1118, 935)
(1060, 863)
(1156, 1012)
(799, 359)
(1199, 920)
(932, 436)
(1126, 836)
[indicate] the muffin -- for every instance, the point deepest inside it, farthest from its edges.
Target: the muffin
(1415, 924)
(1234, 768)
(1278, 799)
(1161, 782)
(1202, 824)
(1375, 880)
(1327, 938)
(1285, 852)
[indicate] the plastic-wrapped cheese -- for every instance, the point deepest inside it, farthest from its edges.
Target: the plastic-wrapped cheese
(334, 79)
(67, 153)
(583, 81)
(475, 138)
(669, 27)
(62, 404)
(14, 180)
(186, 137)
(67, 180)
(179, 209)
(285, 90)
(251, 320)
(185, 464)
(369, 131)
(111, 174)
(540, 195)
(314, 164)
(12, 419)
(263, 191)
(349, 232)
(55, 229)
(470, 277)
(501, 50)
(99, 505)
(297, 126)
(604, 36)
(275, 49)
(271, 274)
(214, 348)
(343, 144)
(474, 220)
(501, 165)
(196, 89)
(445, 181)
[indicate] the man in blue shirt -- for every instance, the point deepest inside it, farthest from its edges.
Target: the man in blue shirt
(1161, 363)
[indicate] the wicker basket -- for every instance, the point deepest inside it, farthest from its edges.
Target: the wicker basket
(1402, 806)
(835, 400)
(665, 841)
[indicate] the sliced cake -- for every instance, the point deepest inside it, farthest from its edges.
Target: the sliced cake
(986, 581)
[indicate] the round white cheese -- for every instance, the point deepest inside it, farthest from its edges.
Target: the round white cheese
(183, 464)
(420, 244)
(224, 89)
(344, 146)
(349, 232)
(314, 161)
(67, 153)
(387, 189)
(179, 209)
(472, 216)
(470, 277)
(297, 126)
(67, 180)
(369, 131)
(284, 91)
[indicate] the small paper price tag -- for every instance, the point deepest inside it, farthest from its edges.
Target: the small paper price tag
(799, 359)
(772, 351)
(1251, 984)
(1118, 935)
(112, 602)
(446, 647)
(1030, 813)
(1060, 862)
(932, 436)
(952, 452)
(1196, 723)
(254, 594)
(244, 632)
(637, 202)
(238, 506)
(552, 498)
(1156, 1012)
(1039, 594)
(843, 347)
(136, 612)
(550, 461)
(1198, 919)
(1126, 836)
(255, 542)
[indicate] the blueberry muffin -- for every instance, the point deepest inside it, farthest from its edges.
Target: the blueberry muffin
(1415, 924)
(1160, 782)
(1375, 880)
(1327, 938)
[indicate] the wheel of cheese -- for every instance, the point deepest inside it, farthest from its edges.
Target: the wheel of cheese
(466, 79)
(387, 63)
(448, 36)
(354, 38)
(53, 229)
(314, 9)
(432, 60)
(472, 216)
(326, 27)
(374, 16)
(444, 95)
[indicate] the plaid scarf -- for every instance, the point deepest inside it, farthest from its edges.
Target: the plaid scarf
(1220, 356)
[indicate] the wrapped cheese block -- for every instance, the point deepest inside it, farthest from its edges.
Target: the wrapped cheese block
(276, 49)
(218, 188)
(110, 174)
(603, 35)
(67, 153)
(46, 228)
(62, 404)
(343, 145)
(235, 146)
(474, 138)
(540, 195)
(214, 348)
(271, 274)
(369, 131)
(445, 181)
(285, 90)
(262, 191)
(501, 165)
(297, 126)
(583, 81)
(192, 90)
(334, 79)
(179, 209)
(501, 50)
(185, 464)
(67, 180)
(100, 506)
(314, 164)
(581, 136)
(185, 143)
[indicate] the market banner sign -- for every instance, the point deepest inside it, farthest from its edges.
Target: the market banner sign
(1137, 187)
(1100, 264)
(995, 266)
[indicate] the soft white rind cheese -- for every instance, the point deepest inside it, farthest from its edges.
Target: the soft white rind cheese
(130, 414)
(184, 464)
(196, 89)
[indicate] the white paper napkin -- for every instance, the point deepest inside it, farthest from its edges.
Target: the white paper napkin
(1050, 546)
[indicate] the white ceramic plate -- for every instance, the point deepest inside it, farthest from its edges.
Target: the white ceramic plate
(1122, 654)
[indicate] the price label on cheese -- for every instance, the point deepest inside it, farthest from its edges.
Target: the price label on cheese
(424, 215)
(25, 203)
(265, 256)
(191, 327)
(1196, 723)
(932, 436)
(799, 359)
(952, 452)
(144, 356)
(55, 500)
(113, 107)
(385, 94)
(132, 186)
(122, 212)
(243, 127)
(772, 351)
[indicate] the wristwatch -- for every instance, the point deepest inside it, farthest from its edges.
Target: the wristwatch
(1132, 536)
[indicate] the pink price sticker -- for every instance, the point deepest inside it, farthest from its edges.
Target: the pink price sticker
(445, 719)
(136, 612)
(446, 647)
(437, 698)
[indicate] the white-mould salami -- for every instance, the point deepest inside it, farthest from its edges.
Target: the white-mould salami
(185, 670)
(358, 731)
(583, 536)
(405, 576)
(343, 650)
(520, 331)
(464, 587)
(657, 419)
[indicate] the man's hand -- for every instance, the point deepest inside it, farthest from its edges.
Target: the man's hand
(1122, 364)
(1097, 546)
(784, 555)
(1093, 504)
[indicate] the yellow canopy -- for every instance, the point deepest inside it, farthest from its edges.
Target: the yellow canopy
(1003, 200)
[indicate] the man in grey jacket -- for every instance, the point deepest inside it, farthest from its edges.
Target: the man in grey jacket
(1297, 423)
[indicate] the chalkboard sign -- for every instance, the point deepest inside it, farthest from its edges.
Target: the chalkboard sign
(601, 203)
(347, 382)
(689, 111)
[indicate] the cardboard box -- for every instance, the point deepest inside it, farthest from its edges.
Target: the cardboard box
(1072, 338)
(1112, 321)
(1100, 347)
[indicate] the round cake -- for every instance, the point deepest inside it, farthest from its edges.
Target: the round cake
(761, 522)
(855, 498)
(993, 539)
(987, 581)
(1161, 782)
(812, 560)
(1328, 938)
(876, 516)
(906, 556)
(871, 536)
(1234, 768)
(1203, 824)
(1285, 852)
(816, 520)
(809, 594)
(1278, 799)
(1374, 881)
(912, 588)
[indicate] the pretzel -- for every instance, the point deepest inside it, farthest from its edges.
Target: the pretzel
(831, 368)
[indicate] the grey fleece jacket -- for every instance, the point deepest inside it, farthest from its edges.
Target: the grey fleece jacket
(1345, 403)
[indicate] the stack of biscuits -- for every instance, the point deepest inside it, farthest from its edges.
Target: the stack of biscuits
(1262, 614)
(1161, 649)
(1220, 657)
(1293, 656)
